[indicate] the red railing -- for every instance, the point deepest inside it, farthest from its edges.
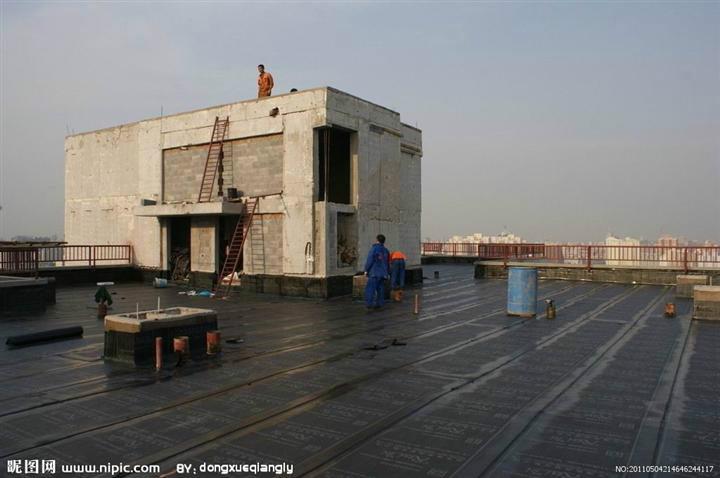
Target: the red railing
(31, 259)
(484, 251)
(589, 255)
(18, 260)
(670, 257)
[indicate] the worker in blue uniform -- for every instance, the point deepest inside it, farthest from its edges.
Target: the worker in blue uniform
(377, 269)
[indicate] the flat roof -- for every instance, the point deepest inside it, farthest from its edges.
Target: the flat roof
(333, 390)
(250, 100)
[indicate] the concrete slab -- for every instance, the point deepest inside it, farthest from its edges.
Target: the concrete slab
(706, 293)
(190, 209)
(685, 283)
(706, 302)
(144, 321)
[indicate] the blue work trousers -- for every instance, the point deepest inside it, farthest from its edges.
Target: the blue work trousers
(375, 291)
(397, 271)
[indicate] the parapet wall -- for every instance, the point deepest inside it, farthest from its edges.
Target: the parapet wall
(624, 275)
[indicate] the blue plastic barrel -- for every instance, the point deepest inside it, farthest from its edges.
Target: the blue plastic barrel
(522, 292)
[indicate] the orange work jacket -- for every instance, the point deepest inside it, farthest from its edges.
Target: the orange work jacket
(265, 84)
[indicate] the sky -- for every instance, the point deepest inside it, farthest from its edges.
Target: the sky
(557, 121)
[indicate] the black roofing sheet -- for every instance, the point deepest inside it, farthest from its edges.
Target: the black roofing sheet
(464, 391)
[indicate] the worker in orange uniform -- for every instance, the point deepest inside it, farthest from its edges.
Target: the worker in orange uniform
(265, 82)
(397, 269)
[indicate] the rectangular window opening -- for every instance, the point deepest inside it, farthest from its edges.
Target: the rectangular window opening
(335, 165)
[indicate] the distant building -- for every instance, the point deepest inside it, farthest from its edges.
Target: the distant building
(667, 241)
(479, 238)
(619, 254)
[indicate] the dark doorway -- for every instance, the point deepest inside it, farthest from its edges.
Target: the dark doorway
(179, 248)
(335, 166)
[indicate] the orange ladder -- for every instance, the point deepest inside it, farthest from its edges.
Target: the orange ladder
(214, 158)
(235, 252)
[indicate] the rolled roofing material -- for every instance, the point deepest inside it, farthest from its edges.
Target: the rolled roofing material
(45, 335)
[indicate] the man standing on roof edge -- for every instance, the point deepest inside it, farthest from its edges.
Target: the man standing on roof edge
(265, 82)
(377, 268)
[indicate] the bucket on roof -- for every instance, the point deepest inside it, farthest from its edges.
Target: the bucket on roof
(522, 292)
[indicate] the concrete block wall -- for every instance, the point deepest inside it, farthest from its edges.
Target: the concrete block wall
(256, 165)
(183, 172)
(252, 165)
(264, 254)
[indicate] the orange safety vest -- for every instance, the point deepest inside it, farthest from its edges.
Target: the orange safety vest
(397, 255)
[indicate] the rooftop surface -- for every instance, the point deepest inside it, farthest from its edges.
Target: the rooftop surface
(464, 391)
(248, 100)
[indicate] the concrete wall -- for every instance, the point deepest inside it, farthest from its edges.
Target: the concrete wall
(252, 165)
(624, 275)
(387, 170)
(105, 177)
(203, 243)
(265, 245)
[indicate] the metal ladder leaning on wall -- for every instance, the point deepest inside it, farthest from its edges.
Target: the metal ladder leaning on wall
(214, 158)
(257, 245)
(235, 252)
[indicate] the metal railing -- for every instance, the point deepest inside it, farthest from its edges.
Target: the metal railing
(31, 259)
(669, 257)
(18, 260)
(589, 255)
(484, 250)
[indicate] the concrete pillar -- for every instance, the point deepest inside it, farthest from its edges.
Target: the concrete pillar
(298, 188)
(203, 243)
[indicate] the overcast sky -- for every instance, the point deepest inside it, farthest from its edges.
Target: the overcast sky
(556, 121)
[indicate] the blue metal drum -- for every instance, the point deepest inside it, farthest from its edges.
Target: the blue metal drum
(522, 292)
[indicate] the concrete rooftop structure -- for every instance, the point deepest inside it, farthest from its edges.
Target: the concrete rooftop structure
(333, 171)
(465, 392)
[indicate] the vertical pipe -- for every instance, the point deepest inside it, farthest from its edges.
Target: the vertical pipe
(212, 340)
(589, 257)
(181, 346)
(158, 353)
(416, 308)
